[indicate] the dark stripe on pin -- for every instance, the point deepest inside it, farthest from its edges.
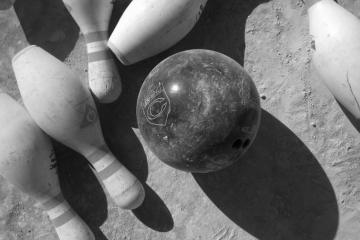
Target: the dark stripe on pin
(109, 170)
(100, 55)
(96, 36)
(63, 218)
(98, 154)
(53, 202)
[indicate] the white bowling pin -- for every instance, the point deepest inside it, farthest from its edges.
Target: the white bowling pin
(65, 110)
(27, 161)
(336, 43)
(93, 18)
(148, 27)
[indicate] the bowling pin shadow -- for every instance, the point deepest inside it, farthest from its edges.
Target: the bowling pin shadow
(355, 122)
(117, 120)
(81, 189)
(277, 190)
(154, 213)
(221, 28)
(48, 25)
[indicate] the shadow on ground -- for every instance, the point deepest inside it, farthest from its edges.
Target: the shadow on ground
(209, 33)
(277, 190)
(48, 25)
(355, 122)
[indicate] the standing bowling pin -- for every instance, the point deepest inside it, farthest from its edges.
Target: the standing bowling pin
(148, 27)
(26, 161)
(336, 41)
(65, 110)
(93, 18)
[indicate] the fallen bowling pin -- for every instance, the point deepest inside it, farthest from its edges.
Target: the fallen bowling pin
(65, 110)
(148, 27)
(27, 161)
(336, 44)
(93, 16)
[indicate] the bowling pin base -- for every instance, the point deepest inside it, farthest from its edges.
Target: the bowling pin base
(118, 54)
(104, 79)
(123, 187)
(104, 82)
(21, 52)
(75, 229)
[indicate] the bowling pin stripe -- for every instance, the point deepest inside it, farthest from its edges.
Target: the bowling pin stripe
(109, 170)
(58, 210)
(97, 155)
(96, 36)
(98, 56)
(96, 46)
(104, 163)
(63, 218)
(53, 202)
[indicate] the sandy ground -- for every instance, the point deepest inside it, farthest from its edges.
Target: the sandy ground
(299, 180)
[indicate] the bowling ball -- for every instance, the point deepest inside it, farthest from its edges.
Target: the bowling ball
(198, 111)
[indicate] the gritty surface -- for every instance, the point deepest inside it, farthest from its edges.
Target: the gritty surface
(299, 180)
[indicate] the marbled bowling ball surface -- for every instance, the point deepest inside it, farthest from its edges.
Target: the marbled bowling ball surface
(198, 111)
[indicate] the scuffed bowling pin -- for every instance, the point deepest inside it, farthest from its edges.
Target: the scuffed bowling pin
(336, 43)
(93, 18)
(27, 161)
(65, 110)
(148, 27)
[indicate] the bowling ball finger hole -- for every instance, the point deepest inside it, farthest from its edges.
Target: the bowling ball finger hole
(246, 143)
(237, 144)
(240, 144)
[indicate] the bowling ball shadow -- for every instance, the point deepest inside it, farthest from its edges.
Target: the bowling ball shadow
(48, 25)
(154, 215)
(278, 190)
(218, 20)
(81, 188)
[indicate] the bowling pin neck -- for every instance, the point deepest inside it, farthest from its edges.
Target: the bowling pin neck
(65, 220)
(58, 209)
(102, 160)
(21, 51)
(96, 42)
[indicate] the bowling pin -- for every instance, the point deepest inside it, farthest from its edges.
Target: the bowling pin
(148, 27)
(336, 44)
(27, 162)
(62, 106)
(93, 18)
